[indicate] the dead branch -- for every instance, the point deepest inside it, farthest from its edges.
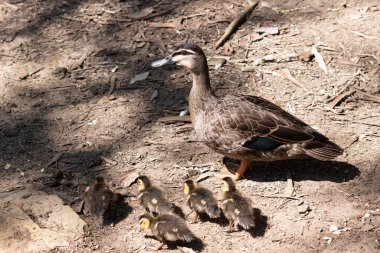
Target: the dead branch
(235, 24)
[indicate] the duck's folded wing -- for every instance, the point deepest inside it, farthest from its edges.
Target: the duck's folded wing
(252, 119)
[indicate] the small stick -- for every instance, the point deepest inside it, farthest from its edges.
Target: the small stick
(340, 97)
(370, 97)
(288, 76)
(277, 197)
(53, 160)
(235, 24)
(174, 119)
(31, 73)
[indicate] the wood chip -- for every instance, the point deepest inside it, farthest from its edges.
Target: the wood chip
(319, 59)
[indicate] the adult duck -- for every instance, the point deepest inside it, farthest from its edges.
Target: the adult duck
(248, 128)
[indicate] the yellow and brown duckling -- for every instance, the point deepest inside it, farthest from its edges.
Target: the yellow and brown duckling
(98, 197)
(152, 198)
(236, 208)
(200, 200)
(166, 228)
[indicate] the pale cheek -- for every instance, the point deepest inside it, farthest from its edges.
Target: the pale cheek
(187, 64)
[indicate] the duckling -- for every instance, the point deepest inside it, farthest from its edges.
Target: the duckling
(166, 227)
(200, 200)
(152, 198)
(236, 208)
(98, 197)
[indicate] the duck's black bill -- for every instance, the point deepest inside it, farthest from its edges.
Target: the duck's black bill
(162, 62)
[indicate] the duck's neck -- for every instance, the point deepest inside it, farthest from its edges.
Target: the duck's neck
(201, 89)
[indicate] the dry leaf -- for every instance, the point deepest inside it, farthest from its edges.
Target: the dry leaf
(141, 14)
(139, 77)
(129, 178)
(154, 95)
(174, 23)
(319, 59)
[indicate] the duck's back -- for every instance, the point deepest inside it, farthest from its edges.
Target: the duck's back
(250, 126)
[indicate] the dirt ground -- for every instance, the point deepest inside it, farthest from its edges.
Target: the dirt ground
(70, 111)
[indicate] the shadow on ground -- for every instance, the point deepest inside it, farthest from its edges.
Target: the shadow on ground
(309, 169)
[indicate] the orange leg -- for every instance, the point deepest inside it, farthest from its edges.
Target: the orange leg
(244, 165)
(159, 247)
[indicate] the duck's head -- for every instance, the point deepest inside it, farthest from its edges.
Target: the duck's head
(188, 55)
(188, 186)
(143, 183)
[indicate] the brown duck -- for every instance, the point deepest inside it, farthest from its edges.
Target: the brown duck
(245, 127)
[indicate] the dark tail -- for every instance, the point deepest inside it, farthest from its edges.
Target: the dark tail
(213, 211)
(325, 150)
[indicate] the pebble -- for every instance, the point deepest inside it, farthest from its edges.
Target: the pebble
(303, 208)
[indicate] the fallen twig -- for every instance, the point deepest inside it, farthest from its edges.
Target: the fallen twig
(53, 160)
(287, 75)
(174, 119)
(369, 96)
(112, 86)
(235, 24)
(340, 97)
(277, 197)
(31, 73)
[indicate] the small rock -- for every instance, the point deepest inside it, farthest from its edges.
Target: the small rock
(327, 239)
(304, 208)
(306, 56)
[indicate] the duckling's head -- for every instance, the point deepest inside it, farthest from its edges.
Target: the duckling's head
(143, 183)
(145, 221)
(188, 186)
(228, 184)
(100, 181)
(188, 55)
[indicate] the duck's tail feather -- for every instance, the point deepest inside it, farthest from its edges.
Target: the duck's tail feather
(325, 150)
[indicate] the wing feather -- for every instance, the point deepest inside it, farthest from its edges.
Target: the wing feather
(250, 117)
